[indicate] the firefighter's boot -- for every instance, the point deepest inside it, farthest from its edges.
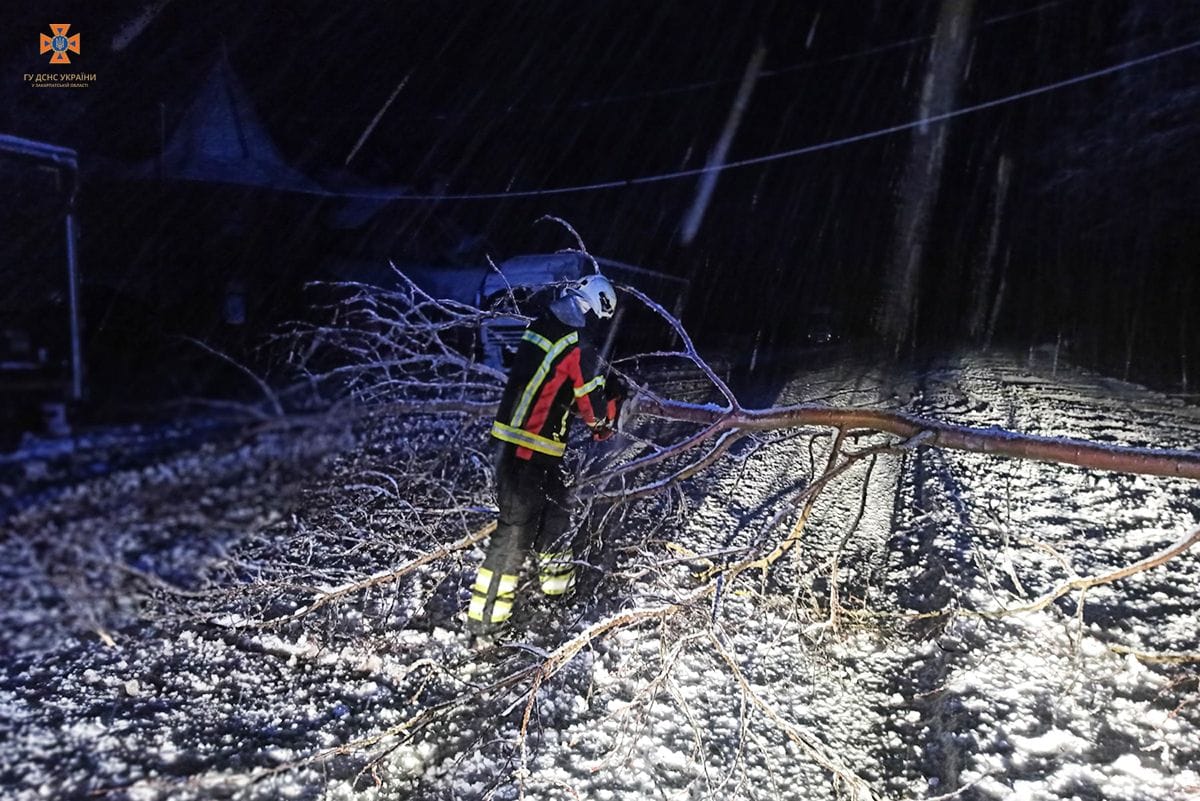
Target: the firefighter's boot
(556, 572)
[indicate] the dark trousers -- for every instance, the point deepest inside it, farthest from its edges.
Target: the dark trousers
(532, 497)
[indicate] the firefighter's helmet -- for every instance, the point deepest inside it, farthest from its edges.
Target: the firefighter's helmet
(598, 293)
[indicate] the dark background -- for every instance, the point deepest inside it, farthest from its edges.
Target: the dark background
(1098, 234)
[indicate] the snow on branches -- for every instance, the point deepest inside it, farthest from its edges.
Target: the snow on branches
(396, 345)
(403, 350)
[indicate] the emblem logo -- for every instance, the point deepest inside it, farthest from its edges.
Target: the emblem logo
(59, 44)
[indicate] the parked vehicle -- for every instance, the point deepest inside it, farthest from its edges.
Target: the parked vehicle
(515, 287)
(820, 327)
(518, 284)
(512, 289)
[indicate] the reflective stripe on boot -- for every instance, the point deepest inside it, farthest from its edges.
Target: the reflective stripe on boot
(492, 597)
(556, 572)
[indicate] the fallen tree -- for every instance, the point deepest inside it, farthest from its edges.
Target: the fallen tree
(393, 351)
(314, 570)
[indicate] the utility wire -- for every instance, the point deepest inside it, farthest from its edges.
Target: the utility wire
(799, 151)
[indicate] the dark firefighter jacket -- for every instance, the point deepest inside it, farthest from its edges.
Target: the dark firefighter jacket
(554, 368)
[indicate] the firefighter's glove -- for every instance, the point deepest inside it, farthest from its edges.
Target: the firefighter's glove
(612, 415)
(603, 430)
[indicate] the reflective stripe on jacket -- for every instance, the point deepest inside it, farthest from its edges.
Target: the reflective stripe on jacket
(553, 369)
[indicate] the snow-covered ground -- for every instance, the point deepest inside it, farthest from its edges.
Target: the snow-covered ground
(149, 653)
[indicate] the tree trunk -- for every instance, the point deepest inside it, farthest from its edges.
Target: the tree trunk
(896, 313)
(936, 434)
(983, 276)
(1183, 336)
(997, 303)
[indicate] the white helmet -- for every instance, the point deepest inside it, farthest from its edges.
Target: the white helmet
(597, 292)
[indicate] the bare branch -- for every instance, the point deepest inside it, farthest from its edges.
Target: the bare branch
(263, 386)
(1085, 583)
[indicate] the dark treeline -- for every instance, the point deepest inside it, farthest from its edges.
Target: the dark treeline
(1065, 217)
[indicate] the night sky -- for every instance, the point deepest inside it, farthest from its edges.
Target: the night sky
(1096, 238)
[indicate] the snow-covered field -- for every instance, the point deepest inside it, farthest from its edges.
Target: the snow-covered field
(152, 646)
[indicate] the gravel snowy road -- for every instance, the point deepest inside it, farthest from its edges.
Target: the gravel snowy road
(149, 653)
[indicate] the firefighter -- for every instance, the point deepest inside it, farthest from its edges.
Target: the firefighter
(554, 370)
